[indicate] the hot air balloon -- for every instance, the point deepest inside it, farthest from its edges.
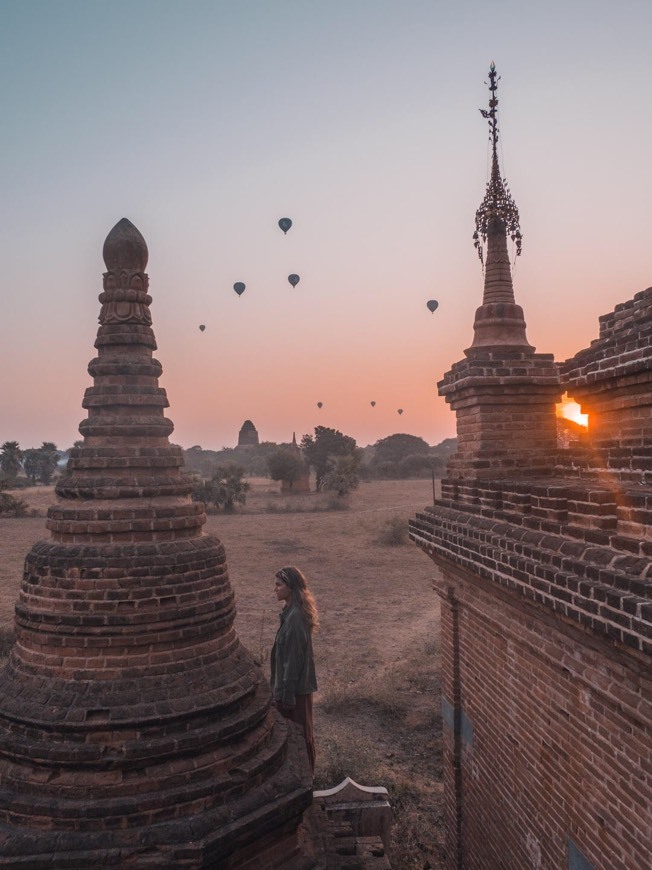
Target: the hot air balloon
(400, 410)
(285, 224)
(294, 280)
(202, 327)
(373, 404)
(239, 287)
(432, 305)
(319, 404)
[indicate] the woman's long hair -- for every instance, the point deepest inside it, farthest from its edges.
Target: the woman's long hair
(301, 595)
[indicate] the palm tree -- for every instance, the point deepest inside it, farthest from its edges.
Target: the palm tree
(11, 460)
(225, 489)
(48, 461)
(31, 464)
(343, 476)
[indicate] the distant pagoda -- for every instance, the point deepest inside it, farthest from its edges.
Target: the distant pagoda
(135, 730)
(248, 435)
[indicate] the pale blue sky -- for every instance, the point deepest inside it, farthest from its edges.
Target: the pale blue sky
(205, 122)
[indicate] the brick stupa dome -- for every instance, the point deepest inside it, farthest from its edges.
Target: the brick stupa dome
(135, 729)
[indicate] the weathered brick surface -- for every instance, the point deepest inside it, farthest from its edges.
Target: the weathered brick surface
(135, 730)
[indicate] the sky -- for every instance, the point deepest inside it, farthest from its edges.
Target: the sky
(205, 121)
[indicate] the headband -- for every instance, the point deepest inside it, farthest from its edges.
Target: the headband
(282, 575)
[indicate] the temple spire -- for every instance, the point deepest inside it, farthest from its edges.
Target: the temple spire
(496, 218)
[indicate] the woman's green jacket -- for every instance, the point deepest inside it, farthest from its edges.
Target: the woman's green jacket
(292, 663)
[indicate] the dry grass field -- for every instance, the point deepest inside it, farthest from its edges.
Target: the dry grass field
(377, 711)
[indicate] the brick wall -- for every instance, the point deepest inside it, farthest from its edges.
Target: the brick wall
(553, 741)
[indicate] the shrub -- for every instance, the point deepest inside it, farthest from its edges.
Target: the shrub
(10, 506)
(333, 503)
(225, 489)
(394, 532)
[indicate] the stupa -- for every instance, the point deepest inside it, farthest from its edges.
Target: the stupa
(503, 392)
(248, 435)
(135, 729)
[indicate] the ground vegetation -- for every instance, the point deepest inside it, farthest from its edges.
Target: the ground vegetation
(225, 489)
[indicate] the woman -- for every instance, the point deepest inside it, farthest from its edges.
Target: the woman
(293, 663)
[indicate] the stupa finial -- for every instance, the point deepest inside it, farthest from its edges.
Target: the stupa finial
(497, 211)
(125, 248)
(499, 320)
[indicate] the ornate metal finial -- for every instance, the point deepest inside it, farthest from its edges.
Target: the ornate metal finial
(498, 211)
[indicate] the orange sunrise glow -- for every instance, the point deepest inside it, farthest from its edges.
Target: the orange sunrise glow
(570, 410)
(360, 123)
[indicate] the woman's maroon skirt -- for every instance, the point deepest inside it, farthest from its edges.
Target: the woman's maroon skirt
(302, 714)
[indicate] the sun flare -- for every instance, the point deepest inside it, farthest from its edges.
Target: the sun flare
(570, 410)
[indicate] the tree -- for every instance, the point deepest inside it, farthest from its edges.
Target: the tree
(421, 465)
(342, 476)
(31, 464)
(48, 461)
(394, 448)
(11, 460)
(40, 463)
(322, 447)
(401, 455)
(286, 465)
(252, 459)
(225, 489)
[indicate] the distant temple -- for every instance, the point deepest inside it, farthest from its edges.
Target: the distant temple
(545, 580)
(248, 436)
